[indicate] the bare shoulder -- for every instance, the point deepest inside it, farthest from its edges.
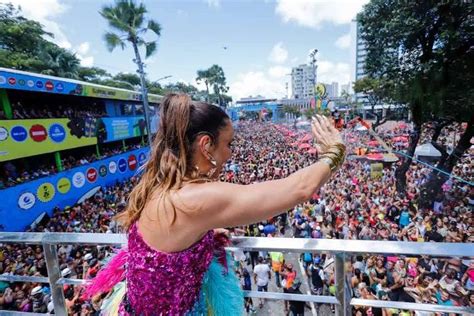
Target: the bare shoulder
(202, 195)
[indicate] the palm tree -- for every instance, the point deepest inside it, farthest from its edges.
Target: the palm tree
(128, 19)
(206, 76)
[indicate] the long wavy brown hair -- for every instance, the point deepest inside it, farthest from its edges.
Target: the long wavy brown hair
(170, 164)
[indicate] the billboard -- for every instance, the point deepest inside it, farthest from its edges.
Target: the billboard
(117, 128)
(13, 79)
(23, 203)
(23, 138)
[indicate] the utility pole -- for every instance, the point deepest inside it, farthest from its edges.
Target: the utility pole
(312, 55)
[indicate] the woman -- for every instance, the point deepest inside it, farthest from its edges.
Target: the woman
(175, 264)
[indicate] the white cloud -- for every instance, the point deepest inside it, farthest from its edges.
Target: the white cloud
(329, 71)
(255, 83)
(83, 48)
(81, 51)
(278, 72)
(213, 3)
(312, 13)
(86, 61)
(44, 13)
(279, 54)
(344, 41)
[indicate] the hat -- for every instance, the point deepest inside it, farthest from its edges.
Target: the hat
(36, 290)
(88, 256)
(66, 272)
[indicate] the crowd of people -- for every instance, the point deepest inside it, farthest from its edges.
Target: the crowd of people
(353, 205)
(26, 111)
(14, 172)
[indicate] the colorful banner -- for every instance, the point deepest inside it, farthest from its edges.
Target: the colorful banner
(23, 203)
(23, 138)
(19, 80)
(116, 128)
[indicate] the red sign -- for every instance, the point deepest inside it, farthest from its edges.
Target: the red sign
(132, 162)
(91, 175)
(49, 85)
(11, 81)
(38, 133)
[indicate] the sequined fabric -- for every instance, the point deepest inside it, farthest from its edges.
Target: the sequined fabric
(161, 283)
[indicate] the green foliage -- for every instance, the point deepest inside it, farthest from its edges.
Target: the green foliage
(214, 77)
(423, 49)
(127, 19)
(23, 47)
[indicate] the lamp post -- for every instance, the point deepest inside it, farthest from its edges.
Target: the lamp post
(312, 55)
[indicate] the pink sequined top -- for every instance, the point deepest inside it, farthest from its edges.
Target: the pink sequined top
(160, 283)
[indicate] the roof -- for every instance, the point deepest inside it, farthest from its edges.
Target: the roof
(29, 81)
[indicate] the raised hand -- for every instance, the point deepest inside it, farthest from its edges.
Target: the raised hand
(325, 134)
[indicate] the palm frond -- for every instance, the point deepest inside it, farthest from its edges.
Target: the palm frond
(112, 40)
(150, 49)
(154, 26)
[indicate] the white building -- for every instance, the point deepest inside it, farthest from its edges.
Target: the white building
(303, 79)
(359, 53)
(332, 90)
(345, 87)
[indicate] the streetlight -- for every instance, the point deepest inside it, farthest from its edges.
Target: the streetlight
(163, 78)
(312, 55)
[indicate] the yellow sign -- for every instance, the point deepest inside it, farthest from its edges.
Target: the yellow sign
(63, 185)
(45, 192)
(114, 93)
(23, 138)
(376, 170)
(320, 90)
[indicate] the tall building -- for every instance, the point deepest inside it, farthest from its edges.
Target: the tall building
(332, 90)
(359, 54)
(345, 87)
(303, 79)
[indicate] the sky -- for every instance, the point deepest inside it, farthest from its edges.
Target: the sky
(256, 42)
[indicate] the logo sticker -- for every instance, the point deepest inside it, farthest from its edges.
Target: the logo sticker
(112, 167)
(26, 200)
(91, 175)
(132, 162)
(38, 133)
(122, 165)
(3, 133)
(57, 133)
(78, 180)
(63, 185)
(45, 192)
(102, 171)
(19, 133)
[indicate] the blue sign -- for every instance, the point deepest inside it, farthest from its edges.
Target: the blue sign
(57, 133)
(21, 205)
(117, 128)
(39, 84)
(141, 159)
(122, 165)
(59, 87)
(19, 133)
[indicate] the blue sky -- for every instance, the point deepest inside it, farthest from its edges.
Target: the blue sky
(264, 39)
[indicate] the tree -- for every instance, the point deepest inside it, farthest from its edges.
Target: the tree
(92, 74)
(377, 92)
(206, 77)
(214, 77)
(128, 19)
(58, 62)
(421, 48)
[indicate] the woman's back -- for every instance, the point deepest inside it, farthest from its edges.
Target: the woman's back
(167, 283)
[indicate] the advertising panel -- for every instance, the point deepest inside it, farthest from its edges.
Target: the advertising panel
(23, 138)
(23, 203)
(31, 82)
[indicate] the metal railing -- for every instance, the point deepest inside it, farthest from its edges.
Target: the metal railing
(339, 248)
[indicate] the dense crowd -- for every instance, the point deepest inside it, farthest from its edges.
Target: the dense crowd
(353, 205)
(13, 172)
(24, 111)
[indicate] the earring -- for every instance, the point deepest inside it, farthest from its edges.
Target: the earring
(212, 171)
